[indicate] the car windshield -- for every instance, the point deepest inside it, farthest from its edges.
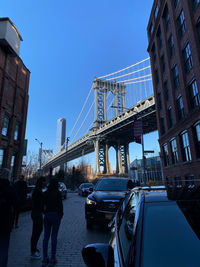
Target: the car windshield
(112, 185)
(87, 185)
(171, 234)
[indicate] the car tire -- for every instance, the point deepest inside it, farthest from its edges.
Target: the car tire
(88, 224)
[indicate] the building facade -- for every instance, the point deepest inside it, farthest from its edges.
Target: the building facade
(153, 170)
(61, 133)
(14, 86)
(174, 48)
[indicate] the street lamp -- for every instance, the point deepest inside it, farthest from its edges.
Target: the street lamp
(66, 147)
(40, 143)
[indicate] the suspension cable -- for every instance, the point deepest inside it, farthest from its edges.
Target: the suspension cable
(140, 81)
(124, 68)
(83, 121)
(81, 111)
(129, 73)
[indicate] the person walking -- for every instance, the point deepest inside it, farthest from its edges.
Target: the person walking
(7, 206)
(21, 190)
(53, 213)
(37, 216)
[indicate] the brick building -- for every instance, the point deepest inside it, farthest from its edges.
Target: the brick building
(14, 84)
(174, 48)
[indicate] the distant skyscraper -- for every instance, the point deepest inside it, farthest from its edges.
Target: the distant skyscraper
(61, 132)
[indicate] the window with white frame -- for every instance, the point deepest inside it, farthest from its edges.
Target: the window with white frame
(174, 151)
(5, 126)
(185, 147)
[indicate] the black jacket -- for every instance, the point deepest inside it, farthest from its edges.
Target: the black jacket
(37, 203)
(8, 201)
(53, 202)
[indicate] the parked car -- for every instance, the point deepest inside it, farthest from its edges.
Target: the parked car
(85, 189)
(102, 204)
(156, 228)
(63, 190)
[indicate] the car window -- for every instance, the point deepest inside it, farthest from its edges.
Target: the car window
(171, 234)
(112, 185)
(126, 227)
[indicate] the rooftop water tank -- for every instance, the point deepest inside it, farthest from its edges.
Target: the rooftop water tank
(9, 36)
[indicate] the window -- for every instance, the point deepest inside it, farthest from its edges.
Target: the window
(181, 24)
(187, 57)
(197, 138)
(159, 37)
(169, 111)
(178, 182)
(175, 76)
(163, 63)
(166, 18)
(195, 3)
(171, 45)
(174, 151)
(194, 94)
(159, 101)
(165, 155)
(176, 2)
(5, 126)
(162, 125)
(12, 165)
(156, 12)
(166, 90)
(126, 227)
(1, 157)
(156, 77)
(16, 133)
(151, 29)
(180, 108)
(185, 147)
(189, 180)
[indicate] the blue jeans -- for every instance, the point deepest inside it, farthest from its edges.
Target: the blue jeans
(4, 244)
(51, 227)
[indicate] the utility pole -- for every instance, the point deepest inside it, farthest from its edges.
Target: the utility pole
(66, 147)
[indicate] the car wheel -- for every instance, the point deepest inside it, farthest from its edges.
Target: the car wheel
(88, 224)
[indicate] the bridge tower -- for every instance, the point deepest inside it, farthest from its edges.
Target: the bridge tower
(101, 88)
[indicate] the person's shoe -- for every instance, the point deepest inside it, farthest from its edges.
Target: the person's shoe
(35, 256)
(53, 262)
(45, 262)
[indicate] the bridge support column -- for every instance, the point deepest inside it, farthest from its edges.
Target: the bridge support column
(96, 150)
(107, 160)
(127, 156)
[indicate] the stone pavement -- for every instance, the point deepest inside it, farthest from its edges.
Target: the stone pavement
(72, 237)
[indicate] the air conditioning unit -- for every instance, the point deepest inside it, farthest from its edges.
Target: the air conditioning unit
(9, 36)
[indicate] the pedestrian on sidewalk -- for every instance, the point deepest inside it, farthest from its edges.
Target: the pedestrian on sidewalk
(37, 216)
(21, 190)
(7, 205)
(53, 213)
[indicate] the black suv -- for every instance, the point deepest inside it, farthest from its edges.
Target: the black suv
(155, 228)
(102, 204)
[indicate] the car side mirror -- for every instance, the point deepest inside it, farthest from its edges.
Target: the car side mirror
(91, 189)
(98, 255)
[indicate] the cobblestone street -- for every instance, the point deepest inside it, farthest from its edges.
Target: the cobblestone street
(72, 236)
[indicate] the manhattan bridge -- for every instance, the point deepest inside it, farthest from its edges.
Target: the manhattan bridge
(113, 106)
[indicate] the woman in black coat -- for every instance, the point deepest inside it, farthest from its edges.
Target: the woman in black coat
(37, 216)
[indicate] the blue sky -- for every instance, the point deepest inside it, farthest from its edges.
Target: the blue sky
(66, 44)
